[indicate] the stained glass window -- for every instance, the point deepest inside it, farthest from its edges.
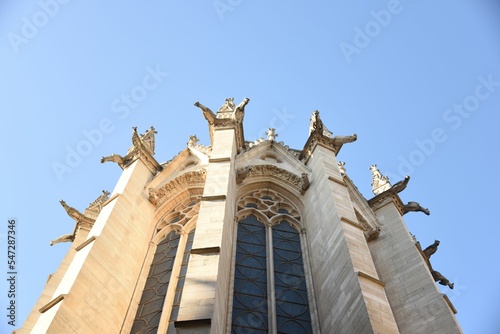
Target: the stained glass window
(151, 304)
(254, 272)
(250, 279)
(292, 306)
(180, 283)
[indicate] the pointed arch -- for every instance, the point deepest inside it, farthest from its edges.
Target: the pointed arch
(270, 281)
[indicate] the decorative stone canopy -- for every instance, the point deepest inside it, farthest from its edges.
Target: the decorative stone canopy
(83, 220)
(228, 116)
(319, 135)
(143, 147)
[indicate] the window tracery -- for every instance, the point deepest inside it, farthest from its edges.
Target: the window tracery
(163, 278)
(270, 289)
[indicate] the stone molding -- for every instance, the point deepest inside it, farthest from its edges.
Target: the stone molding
(85, 243)
(158, 196)
(271, 170)
(371, 278)
(52, 303)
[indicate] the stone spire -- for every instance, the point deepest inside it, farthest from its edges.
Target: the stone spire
(380, 183)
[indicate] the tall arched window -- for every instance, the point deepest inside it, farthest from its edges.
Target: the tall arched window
(151, 304)
(165, 281)
(270, 288)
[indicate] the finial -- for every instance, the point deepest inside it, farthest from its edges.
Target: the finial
(380, 183)
(193, 140)
(342, 167)
(271, 134)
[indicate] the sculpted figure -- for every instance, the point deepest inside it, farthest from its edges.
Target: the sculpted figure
(441, 279)
(431, 249)
(316, 122)
(345, 139)
(305, 182)
(207, 113)
(239, 111)
(72, 212)
(136, 140)
(372, 234)
(113, 158)
(414, 206)
(63, 238)
(401, 185)
(193, 140)
(242, 173)
(341, 165)
(271, 134)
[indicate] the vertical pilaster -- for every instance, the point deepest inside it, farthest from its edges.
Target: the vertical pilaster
(95, 292)
(418, 305)
(205, 295)
(350, 297)
(52, 283)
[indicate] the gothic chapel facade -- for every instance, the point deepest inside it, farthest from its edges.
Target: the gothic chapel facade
(243, 237)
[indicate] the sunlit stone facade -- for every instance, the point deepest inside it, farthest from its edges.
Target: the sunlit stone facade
(242, 237)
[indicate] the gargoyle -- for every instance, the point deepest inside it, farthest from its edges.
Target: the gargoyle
(72, 212)
(441, 279)
(63, 238)
(239, 111)
(401, 185)
(431, 249)
(414, 206)
(207, 113)
(345, 139)
(113, 158)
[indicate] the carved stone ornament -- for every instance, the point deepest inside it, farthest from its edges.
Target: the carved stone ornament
(380, 183)
(389, 195)
(271, 134)
(316, 124)
(142, 148)
(318, 136)
(430, 250)
(383, 199)
(95, 207)
(228, 117)
(299, 182)
(415, 207)
(370, 232)
(82, 221)
(158, 196)
(438, 277)
(193, 144)
(341, 165)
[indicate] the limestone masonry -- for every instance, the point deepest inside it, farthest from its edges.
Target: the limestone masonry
(243, 237)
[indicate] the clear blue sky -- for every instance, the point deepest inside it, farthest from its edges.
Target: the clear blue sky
(418, 81)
